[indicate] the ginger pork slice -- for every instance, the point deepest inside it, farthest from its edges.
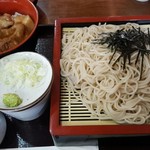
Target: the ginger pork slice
(6, 21)
(15, 38)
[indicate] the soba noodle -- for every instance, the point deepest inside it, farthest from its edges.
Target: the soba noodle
(109, 92)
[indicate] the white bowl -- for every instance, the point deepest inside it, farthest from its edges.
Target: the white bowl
(33, 93)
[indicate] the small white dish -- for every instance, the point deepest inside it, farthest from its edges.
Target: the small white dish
(2, 127)
(142, 0)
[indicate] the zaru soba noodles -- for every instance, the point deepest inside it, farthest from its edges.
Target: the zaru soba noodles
(107, 90)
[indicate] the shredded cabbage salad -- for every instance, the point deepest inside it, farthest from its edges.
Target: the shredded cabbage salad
(22, 72)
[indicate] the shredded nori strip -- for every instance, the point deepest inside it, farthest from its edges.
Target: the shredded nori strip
(126, 42)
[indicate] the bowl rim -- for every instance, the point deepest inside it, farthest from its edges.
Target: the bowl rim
(2, 53)
(40, 98)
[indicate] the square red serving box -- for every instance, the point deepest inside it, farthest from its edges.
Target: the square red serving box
(56, 127)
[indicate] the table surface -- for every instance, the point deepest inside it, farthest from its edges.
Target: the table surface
(36, 133)
(54, 9)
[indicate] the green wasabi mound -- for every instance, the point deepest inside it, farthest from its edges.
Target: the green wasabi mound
(11, 100)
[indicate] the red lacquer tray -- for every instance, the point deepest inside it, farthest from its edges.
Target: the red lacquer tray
(62, 126)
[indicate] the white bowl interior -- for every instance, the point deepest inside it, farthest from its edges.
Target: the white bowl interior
(24, 90)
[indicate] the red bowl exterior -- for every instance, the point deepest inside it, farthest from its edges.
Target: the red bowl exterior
(25, 7)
